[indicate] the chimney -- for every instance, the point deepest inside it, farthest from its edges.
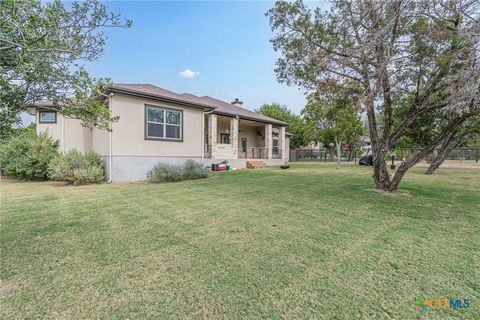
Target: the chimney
(237, 103)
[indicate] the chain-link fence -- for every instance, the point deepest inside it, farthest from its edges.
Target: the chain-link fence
(327, 155)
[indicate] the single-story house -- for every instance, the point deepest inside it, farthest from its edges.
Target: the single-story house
(160, 126)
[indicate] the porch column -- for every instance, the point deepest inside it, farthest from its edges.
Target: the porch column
(234, 136)
(268, 140)
(282, 142)
(212, 134)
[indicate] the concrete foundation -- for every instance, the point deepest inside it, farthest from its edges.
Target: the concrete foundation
(242, 163)
(131, 168)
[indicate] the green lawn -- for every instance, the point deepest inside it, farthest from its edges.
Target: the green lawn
(309, 242)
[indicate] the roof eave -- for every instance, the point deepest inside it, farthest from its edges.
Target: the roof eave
(157, 97)
(280, 123)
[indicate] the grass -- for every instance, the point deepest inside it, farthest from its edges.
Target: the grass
(308, 242)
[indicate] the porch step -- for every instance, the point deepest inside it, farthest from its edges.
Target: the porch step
(256, 165)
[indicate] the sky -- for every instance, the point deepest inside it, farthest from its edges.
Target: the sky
(218, 48)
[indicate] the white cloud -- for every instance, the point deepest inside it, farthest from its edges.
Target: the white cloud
(187, 73)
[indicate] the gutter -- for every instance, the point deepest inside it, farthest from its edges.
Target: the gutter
(275, 122)
(160, 98)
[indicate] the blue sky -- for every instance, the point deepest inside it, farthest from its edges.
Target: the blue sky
(225, 43)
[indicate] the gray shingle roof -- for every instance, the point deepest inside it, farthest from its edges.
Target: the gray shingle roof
(218, 106)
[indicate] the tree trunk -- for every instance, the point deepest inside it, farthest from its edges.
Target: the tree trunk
(350, 153)
(404, 166)
(381, 176)
(380, 171)
(436, 162)
(450, 143)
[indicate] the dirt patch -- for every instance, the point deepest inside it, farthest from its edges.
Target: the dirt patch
(453, 164)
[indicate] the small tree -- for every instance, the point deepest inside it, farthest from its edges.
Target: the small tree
(333, 118)
(296, 125)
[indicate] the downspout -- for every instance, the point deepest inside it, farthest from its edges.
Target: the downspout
(203, 135)
(110, 157)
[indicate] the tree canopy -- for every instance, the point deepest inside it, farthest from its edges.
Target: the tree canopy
(332, 118)
(296, 125)
(43, 46)
(402, 59)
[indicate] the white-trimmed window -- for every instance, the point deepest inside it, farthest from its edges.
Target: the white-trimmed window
(163, 123)
(47, 117)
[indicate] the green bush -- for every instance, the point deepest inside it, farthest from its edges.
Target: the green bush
(401, 153)
(90, 174)
(77, 168)
(169, 173)
(194, 170)
(165, 173)
(27, 155)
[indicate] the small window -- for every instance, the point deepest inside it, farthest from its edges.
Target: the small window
(224, 138)
(275, 146)
(47, 117)
(163, 123)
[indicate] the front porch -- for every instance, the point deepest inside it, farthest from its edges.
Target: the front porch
(230, 138)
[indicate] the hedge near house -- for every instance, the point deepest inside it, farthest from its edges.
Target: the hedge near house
(169, 173)
(77, 168)
(26, 157)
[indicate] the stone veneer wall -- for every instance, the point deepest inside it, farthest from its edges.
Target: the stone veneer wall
(220, 150)
(268, 140)
(223, 151)
(282, 143)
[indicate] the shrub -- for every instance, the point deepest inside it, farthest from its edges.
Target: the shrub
(27, 155)
(169, 173)
(402, 153)
(194, 170)
(165, 173)
(90, 174)
(77, 168)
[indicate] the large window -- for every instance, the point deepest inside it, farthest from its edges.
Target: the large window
(47, 117)
(163, 123)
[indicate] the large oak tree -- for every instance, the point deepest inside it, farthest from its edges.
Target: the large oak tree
(403, 59)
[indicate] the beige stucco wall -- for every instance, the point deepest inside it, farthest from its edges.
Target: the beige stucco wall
(253, 139)
(74, 135)
(223, 126)
(129, 132)
(100, 142)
